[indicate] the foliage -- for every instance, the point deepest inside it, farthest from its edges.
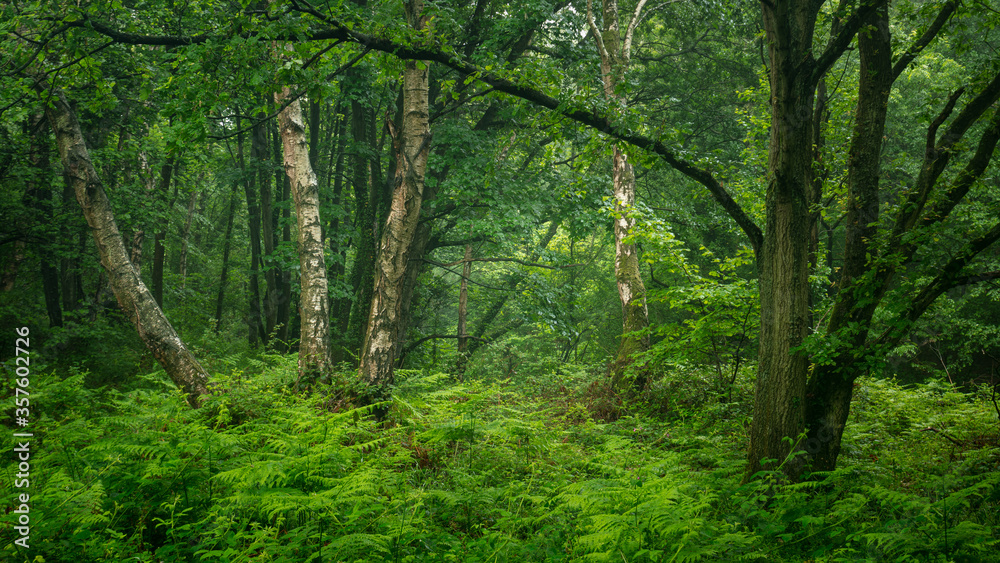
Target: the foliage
(495, 470)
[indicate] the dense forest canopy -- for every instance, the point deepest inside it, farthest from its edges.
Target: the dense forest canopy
(621, 209)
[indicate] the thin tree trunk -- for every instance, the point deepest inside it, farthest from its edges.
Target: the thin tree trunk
(135, 300)
(341, 306)
(261, 162)
(380, 346)
(39, 196)
(10, 272)
(226, 246)
(463, 312)
(159, 239)
(365, 214)
(615, 51)
(255, 328)
(283, 276)
(71, 279)
(185, 234)
(314, 340)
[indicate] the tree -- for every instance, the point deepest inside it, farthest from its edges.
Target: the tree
(412, 146)
(136, 302)
(314, 340)
(616, 52)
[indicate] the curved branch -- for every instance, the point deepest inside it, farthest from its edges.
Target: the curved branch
(585, 117)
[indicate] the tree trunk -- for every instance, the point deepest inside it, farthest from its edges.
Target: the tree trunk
(255, 328)
(779, 395)
(365, 221)
(185, 235)
(314, 339)
(283, 277)
(831, 386)
(135, 300)
(39, 196)
(226, 247)
(615, 52)
(342, 306)
(463, 311)
(261, 162)
(379, 348)
(159, 238)
(71, 280)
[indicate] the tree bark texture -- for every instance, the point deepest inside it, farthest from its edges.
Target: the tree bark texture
(134, 298)
(314, 338)
(829, 391)
(614, 48)
(784, 261)
(379, 349)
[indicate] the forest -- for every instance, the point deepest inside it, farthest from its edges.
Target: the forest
(500, 280)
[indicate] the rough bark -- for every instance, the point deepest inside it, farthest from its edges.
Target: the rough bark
(829, 391)
(380, 345)
(314, 339)
(135, 300)
(784, 260)
(614, 48)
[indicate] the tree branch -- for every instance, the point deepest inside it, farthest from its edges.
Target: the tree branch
(947, 279)
(946, 11)
(585, 117)
(839, 43)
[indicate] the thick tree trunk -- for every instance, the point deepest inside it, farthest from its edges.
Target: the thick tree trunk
(784, 263)
(135, 300)
(226, 247)
(314, 339)
(631, 290)
(380, 346)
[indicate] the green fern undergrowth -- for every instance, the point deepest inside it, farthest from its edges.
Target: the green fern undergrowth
(547, 466)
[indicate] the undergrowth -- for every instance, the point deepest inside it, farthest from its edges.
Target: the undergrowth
(546, 466)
